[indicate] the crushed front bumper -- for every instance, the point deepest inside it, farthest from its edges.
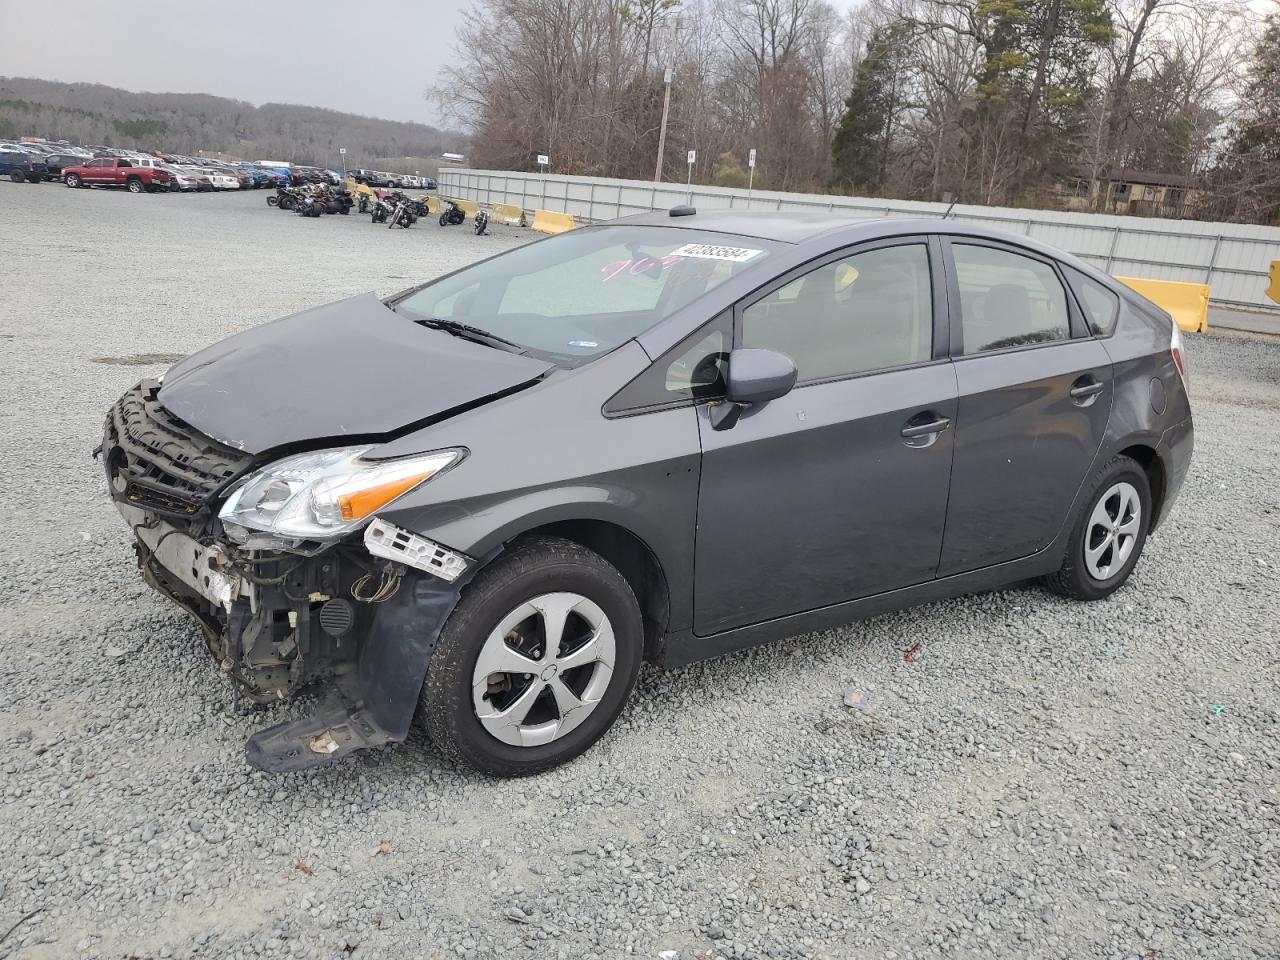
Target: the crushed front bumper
(357, 620)
(286, 631)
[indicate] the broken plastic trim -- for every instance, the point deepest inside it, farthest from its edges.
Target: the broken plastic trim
(386, 540)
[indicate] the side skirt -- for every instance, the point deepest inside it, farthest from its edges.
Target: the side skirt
(685, 647)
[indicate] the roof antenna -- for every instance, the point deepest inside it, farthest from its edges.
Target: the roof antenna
(952, 206)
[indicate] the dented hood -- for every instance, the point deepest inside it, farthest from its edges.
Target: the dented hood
(354, 369)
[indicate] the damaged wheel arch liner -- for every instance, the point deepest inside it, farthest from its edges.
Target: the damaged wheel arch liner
(376, 704)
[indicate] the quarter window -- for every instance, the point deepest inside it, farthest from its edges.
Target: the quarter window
(870, 311)
(691, 370)
(1008, 300)
(1101, 306)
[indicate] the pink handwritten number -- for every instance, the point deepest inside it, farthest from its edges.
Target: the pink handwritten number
(636, 267)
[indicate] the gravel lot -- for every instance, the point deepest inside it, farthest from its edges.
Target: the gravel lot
(1040, 779)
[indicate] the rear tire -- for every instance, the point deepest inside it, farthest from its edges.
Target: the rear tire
(135, 185)
(17, 176)
(1108, 535)
(546, 572)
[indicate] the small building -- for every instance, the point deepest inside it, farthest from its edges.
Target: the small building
(1140, 193)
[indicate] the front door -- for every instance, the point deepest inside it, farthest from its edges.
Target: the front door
(1035, 394)
(839, 489)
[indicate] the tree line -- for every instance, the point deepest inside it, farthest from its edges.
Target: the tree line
(981, 101)
(188, 123)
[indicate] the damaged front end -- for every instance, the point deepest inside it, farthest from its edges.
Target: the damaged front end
(356, 612)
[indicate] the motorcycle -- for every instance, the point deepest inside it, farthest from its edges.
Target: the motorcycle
(310, 206)
(451, 214)
(337, 201)
(286, 198)
(482, 222)
(403, 215)
(382, 209)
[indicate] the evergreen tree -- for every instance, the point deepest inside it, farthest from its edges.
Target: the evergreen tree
(1248, 179)
(863, 144)
(1035, 82)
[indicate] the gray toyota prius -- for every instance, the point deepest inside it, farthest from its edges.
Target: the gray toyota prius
(488, 499)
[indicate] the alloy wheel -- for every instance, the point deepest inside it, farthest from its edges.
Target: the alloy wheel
(1112, 531)
(543, 669)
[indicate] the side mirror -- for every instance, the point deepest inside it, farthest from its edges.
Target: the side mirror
(754, 376)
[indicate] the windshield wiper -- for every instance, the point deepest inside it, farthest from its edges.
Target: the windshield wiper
(468, 332)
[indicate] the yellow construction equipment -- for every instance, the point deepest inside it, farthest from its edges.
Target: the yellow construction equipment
(355, 188)
(1273, 291)
(509, 214)
(1187, 303)
(548, 221)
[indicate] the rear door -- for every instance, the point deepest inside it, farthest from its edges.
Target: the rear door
(1035, 392)
(839, 489)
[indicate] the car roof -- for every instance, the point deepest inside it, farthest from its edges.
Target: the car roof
(829, 230)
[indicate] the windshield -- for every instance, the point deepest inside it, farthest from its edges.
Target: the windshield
(585, 292)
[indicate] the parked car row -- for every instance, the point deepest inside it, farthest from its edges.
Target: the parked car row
(393, 181)
(99, 165)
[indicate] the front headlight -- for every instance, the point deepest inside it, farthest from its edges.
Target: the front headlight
(323, 495)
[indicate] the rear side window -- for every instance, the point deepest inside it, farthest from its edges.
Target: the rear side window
(1101, 306)
(1008, 300)
(870, 311)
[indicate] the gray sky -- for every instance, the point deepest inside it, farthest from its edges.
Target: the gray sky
(247, 49)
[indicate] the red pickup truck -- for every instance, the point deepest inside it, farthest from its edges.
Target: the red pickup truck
(117, 172)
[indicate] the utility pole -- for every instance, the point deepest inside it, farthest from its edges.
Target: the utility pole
(662, 136)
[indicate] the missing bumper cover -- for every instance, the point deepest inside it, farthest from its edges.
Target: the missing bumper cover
(390, 542)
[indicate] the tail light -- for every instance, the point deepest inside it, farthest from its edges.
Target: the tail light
(1179, 357)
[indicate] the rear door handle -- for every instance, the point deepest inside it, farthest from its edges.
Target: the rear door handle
(921, 429)
(1086, 388)
(923, 434)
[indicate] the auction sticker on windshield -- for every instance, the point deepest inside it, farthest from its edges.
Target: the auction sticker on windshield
(712, 251)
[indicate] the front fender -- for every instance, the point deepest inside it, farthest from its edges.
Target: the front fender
(655, 503)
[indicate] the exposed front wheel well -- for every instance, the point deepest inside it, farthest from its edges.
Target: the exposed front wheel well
(633, 559)
(1153, 466)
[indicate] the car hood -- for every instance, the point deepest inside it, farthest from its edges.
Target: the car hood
(351, 370)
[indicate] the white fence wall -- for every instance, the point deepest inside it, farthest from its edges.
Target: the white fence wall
(1234, 259)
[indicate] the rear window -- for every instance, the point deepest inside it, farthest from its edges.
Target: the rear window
(1101, 306)
(585, 292)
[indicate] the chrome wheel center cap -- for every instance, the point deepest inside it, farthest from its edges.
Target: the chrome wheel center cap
(548, 673)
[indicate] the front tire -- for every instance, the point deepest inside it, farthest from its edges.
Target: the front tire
(1109, 533)
(499, 694)
(73, 180)
(17, 176)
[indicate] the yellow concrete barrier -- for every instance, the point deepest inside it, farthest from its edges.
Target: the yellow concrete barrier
(509, 214)
(433, 205)
(1187, 303)
(355, 188)
(548, 221)
(1273, 291)
(468, 207)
